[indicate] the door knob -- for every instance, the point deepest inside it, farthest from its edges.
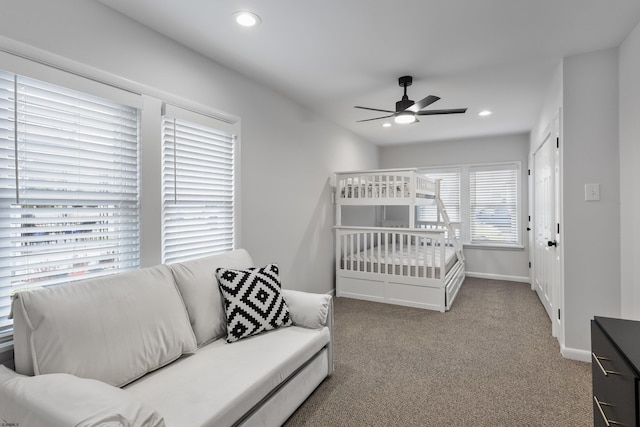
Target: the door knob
(552, 243)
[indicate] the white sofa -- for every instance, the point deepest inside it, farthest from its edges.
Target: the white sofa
(148, 348)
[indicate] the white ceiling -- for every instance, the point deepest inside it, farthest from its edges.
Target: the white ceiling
(331, 55)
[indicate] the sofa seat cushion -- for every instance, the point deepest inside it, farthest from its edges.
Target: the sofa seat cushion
(221, 382)
(114, 329)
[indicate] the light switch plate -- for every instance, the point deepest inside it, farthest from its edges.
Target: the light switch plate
(591, 192)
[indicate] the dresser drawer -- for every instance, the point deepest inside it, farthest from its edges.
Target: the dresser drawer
(614, 383)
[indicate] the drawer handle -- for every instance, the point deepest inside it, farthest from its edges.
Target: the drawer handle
(607, 421)
(604, 371)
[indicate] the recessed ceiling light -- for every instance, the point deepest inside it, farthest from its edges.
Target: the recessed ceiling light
(386, 125)
(484, 113)
(246, 19)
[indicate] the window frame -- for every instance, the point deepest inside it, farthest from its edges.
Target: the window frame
(38, 64)
(61, 213)
(465, 171)
(222, 138)
(455, 214)
(511, 201)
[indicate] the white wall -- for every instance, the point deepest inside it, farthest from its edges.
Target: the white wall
(509, 264)
(287, 152)
(630, 175)
(591, 229)
(599, 150)
(550, 109)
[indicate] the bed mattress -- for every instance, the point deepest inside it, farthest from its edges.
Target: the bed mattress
(401, 260)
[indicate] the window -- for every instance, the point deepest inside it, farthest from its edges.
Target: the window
(449, 193)
(484, 198)
(494, 204)
(198, 188)
(69, 187)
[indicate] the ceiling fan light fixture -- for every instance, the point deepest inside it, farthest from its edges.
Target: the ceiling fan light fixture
(405, 117)
(485, 113)
(247, 19)
(407, 110)
(386, 125)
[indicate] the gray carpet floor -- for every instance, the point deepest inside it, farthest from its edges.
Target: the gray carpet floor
(489, 361)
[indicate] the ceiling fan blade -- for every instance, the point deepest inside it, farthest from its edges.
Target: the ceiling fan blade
(423, 103)
(450, 111)
(374, 109)
(376, 118)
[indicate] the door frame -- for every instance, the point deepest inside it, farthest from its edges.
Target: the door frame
(554, 131)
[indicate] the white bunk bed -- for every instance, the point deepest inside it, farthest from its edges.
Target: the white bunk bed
(407, 262)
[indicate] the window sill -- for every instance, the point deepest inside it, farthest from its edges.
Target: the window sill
(493, 246)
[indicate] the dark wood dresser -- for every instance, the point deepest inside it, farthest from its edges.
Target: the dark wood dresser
(615, 352)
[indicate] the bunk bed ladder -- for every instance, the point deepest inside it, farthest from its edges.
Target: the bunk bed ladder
(452, 233)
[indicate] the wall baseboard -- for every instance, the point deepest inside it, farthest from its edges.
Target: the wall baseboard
(522, 279)
(576, 354)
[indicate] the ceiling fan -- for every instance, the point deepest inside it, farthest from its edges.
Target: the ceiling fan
(407, 110)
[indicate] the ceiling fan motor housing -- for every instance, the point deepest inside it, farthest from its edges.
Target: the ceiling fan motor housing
(403, 104)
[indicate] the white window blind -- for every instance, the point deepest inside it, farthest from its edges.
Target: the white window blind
(449, 193)
(198, 185)
(494, 204)
(69, 204)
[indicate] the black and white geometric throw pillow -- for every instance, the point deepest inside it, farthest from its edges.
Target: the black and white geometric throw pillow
(252, 300)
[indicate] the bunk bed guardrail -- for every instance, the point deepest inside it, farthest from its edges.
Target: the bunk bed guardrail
(419, 253)
(401, 184)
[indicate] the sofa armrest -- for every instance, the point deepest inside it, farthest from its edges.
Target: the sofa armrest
(312, 311)
(67, 400)
(306, 309)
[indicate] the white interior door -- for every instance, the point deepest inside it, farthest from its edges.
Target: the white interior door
(546, 269)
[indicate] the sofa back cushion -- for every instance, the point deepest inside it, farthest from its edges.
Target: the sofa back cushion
(114, 329)
(199, 288)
